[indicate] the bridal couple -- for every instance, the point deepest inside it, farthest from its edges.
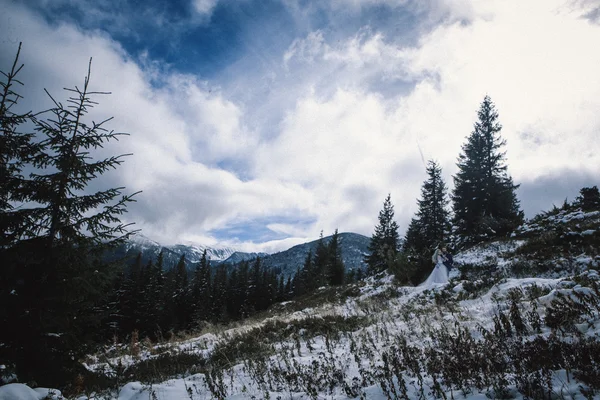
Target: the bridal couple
(443, 263)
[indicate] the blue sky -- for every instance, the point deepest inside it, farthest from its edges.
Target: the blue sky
(259, 124)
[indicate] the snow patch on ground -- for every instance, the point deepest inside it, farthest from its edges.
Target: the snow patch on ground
(19, 391)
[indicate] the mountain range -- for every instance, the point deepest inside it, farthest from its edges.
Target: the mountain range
(353, 247)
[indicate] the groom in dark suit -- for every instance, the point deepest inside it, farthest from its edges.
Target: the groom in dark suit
(448, 261)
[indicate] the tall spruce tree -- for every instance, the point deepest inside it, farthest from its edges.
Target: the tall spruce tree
(335, 267)
(484, 199)
(201, 290)
(320, 261)
(385, 241)
(60, 276)
(431, 224)
(588, 199)
(16, 150)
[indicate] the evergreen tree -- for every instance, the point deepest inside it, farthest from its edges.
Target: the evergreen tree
(280, 289)
(235, 294)
(182, 305)
(302, 279)
(335, 266)
(153, 307)
(433, 214)
(416, 255)
(134, 286)
(16, 149)
(484, 199)
(219, 295)
(254, 284)
(58, 270)
(588, 199)
(201, 290)
(288, 288)
(317, 276)
(414, 239)
(430, 226)
(384, 242)
(126, 304)
(168, 318)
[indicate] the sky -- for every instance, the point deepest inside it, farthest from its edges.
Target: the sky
(257, 124)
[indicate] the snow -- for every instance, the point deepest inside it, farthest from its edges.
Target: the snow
(389, 312)
(19, 391)
(241, 384)
(492, 252)
(410, 311)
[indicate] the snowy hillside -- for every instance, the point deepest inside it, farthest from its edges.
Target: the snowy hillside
(519, 319)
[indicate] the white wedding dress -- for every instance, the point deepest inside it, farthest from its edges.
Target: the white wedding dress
(439, 275)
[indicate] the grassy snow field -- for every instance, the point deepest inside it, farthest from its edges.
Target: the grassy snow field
(519, 319)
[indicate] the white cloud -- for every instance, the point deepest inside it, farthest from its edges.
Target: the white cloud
(176, 132)
(537, 61)
(538, 65)
(347, 121)
(204, 7)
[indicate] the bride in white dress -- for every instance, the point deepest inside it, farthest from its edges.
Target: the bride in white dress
(439, 275)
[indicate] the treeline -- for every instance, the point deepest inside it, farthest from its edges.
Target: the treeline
(482, 206)
(157, 300)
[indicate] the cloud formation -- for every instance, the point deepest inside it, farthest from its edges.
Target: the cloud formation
(204, 7)
(309, 130)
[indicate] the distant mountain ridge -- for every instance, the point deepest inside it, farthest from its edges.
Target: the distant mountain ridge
(353, 247)
(150, 250)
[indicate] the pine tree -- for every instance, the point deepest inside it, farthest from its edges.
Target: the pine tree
(219, 294)
(484, 198)
(281, 296)
(181, 303)
(60, 275)
(384, 242)
(416, 255)
(126, 307)
(201, 290)
(335, 266)
(303, 281)
(414, 238)
(317, 276)
(235, 293)
(153, 307)
(430, 226)
(588, 199)
(433, 214)
(288, 288)
(254, 284)
(16, 149)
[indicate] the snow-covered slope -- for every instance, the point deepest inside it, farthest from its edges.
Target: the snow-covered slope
(519, 319)
(383, 342)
